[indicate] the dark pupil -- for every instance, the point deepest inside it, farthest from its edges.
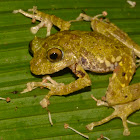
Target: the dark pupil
(54, 56)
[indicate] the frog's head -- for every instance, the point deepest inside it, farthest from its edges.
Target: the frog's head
(49, 58)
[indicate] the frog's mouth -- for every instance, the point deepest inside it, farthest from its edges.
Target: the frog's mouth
(43, 68)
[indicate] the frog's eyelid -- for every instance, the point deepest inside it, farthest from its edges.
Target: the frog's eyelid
(59, 53)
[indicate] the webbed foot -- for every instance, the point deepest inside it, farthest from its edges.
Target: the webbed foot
(121, 111)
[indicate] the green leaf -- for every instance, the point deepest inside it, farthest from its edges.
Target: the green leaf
(23, 117)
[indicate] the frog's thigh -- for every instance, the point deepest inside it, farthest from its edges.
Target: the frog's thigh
(119, 91)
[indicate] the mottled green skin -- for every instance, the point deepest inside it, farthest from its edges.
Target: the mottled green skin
(92, 51)
(85, 48)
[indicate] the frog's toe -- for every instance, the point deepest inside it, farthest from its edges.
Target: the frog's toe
(30, 87)
(44, 103)
(15, 11)
(90, 126)
(34, 30)
(126, 132)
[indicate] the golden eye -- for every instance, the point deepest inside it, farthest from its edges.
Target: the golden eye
(54, 55)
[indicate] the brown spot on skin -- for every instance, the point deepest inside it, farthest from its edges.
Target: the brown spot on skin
(73, 68)
(80, 73)
(116, 47)
(74, 36)
(123, 73)
(90, 33)
(45, 45)
(83, 60)
(125, 96)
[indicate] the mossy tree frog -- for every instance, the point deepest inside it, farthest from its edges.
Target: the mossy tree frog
(105, 49)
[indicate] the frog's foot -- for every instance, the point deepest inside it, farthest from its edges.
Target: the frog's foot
(34, 9)
(52, 83)
(43, 23)
(122, 111)
(131, 3)
(48, 24)
(85, 17)
(116, 113)
(33, 85)
(45, 103)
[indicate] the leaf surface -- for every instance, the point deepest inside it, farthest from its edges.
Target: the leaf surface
(23, 117)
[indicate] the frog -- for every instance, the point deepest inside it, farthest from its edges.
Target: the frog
(105, 49)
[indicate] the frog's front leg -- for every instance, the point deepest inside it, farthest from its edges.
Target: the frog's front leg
(81, 82)
(44, 84)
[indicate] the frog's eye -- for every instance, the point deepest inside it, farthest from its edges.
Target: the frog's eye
(54, 55)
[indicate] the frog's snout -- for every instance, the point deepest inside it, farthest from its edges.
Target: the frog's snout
(34, 67)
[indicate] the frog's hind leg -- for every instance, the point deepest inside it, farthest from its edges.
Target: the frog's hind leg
(122, 111)
(85, 17)
(123, 98)
(119, 91)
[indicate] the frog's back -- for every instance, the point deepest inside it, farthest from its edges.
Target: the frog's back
(95, 52)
